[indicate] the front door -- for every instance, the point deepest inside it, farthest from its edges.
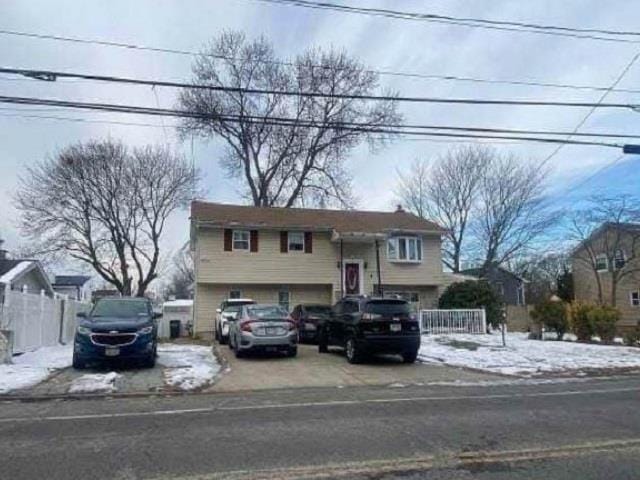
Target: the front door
(352, 281)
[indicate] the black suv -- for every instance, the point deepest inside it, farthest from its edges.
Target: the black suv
(367, 325)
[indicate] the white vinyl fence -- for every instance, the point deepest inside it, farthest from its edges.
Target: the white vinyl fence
(453, 321)
(38, 320)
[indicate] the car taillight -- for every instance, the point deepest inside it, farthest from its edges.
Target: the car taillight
(371, 316)
(413, 317)
(246, 326)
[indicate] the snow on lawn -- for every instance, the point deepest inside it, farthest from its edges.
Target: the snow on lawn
(95, 383)
(31, 368)
(522, 356)
(188, 366)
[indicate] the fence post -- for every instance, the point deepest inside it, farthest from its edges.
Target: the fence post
(484, 321)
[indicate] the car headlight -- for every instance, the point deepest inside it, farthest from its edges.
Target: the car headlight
(145, 330)
(83, 330)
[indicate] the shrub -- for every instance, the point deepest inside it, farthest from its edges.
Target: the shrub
(603, 318)
(553, 315)
(632, 338)
(579, 321)
(473, 294)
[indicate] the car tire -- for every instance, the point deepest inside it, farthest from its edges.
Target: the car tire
(239, 352)
(352, 351)
(323, 344)
(222, 339)
(292, 352)
(78, 363)
(410, 357)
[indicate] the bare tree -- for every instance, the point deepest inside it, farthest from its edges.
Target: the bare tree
(286, 149)
(183, 277)
(105, 206)
(446, 193)
(545, 273)
(608, 229)
(512, 212)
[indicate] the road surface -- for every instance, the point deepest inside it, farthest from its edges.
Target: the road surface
(578, 429)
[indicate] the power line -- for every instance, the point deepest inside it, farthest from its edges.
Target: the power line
(347, 126)
(50, 75)
(509, 26)
(383, 71)
(607, 166)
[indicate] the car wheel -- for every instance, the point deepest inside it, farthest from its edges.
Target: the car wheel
(78, 363)
(150, 361)
(292, 352)
(353, 352)
(410, 357)
(216, 337)
(323, 344)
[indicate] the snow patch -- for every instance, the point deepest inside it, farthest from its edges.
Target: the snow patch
(521, 356)
(34, 367)
(189, 367)
(95, 383)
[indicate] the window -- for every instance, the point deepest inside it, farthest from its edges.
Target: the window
(618, 260)
(500, 288)
(349, 307)
(404, 249)
(296, 241)
(283, 299)
(241, 240)
(520, 293)
(235, 294)
(635, 299)
(602, 265)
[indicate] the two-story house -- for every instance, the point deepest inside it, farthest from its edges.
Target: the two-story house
(606, 269)
(296, 255)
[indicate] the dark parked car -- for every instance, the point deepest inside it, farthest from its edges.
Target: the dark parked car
(307, 317)
(117, 328)
(368, 325)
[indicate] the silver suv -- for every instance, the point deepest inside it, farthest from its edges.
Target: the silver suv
(267, 328)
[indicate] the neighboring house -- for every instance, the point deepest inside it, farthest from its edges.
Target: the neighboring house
(509, 286)
(103, 293)
(75, 287)
(180, 310)
(26, 275)
(294, 255)
(606, 269)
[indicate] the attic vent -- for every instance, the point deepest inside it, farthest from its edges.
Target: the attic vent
(399, 208)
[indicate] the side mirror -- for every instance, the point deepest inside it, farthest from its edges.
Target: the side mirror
(156, 315)
(218, 310)
(81, 314)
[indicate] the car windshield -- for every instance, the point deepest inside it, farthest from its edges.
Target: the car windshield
(318, 309)
(120, 308)
(232, 309)
(266, 312)
(387, 307)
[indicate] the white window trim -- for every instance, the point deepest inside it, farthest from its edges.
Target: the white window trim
(606, 262)
(233, 241)
(615, 258)
(419, 251)
(280, 292)
(637, 292)
(289, 241)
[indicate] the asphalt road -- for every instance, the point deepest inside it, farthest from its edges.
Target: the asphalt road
(583, 429)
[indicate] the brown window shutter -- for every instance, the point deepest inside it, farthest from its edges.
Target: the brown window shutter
(254, 240)
(284, 242)
(308, 242)
(228, 239)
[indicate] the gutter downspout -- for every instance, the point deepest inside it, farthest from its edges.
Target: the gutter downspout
(380, 291)
(341, 269)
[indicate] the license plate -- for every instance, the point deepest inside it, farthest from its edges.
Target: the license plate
(112, 352)
(395, 327)
(271, 330)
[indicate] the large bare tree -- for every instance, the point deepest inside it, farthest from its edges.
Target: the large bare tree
(285, 149)
(512, 211)
(608, 227)
(104, 205)
(446, 192)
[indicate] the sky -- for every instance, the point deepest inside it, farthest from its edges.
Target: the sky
(381, 43)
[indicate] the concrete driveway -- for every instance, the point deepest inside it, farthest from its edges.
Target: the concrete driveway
(312, 369)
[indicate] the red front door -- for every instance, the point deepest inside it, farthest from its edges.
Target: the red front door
(352, 278)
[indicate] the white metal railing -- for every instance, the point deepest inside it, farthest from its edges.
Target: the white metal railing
(453, 321)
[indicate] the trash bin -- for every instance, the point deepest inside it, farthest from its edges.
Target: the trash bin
(174, 328)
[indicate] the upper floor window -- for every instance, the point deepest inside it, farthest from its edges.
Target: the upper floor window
(241, 240)
(619, 260)
(296, 241)
(635, 299)
(602, 264)
(404, 249)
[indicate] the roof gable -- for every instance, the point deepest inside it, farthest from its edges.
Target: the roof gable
(311, 219)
